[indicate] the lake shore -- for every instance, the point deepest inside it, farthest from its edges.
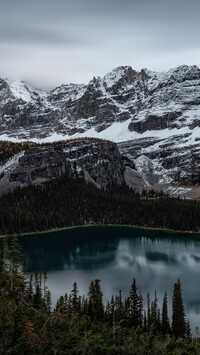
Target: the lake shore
(53, 230)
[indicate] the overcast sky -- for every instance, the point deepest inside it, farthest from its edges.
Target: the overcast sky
(50, 42)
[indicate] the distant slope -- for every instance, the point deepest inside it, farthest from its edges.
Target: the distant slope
(69, 202)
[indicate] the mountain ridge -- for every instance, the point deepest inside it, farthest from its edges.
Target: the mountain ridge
(120, 95)
(153, 117)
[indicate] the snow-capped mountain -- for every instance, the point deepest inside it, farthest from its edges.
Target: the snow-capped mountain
(153, 117)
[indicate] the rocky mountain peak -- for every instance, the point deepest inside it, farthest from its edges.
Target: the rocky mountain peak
(154, 117)
(120, 76)
(185, 72)
(174, 76)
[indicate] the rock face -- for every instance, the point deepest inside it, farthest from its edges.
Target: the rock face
(153, 117)
(40, 164)
(145, 100)
(97, 161)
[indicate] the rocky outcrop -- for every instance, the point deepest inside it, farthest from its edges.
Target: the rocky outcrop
(156, 122)
(97, 161)
(40, 164)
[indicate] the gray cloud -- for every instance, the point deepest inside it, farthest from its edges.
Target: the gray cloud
(49, 42)
(30, 34)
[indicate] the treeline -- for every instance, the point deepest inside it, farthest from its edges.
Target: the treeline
(9, 149)
(71, 140)
(71, 202)
(129, 312)
(82, 324)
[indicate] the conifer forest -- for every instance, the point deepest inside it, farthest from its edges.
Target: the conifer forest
(83, 324)
(71, 202)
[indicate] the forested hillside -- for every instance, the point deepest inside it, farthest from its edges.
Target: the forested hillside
(70, 202)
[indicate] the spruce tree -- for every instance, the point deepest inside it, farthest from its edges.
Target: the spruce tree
(110, 312)
(48, 300)
(188, 330)
(135, 306)
(165, 319)
(119, 306)
(178, 312)
(155, 315)
(95, 303)
(75, 301)
(148, 318)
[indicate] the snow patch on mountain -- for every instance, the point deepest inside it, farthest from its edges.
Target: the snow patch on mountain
(20, 91)
(153, 117)
(11, 163)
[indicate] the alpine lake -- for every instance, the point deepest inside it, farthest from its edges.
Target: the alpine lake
(116, 255)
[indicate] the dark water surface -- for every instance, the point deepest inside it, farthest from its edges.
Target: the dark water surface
(116, 255)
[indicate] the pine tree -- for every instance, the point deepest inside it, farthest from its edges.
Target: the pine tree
(135, 306)
(48, 300)
(38, 301)
(75, 301)
(148, 318)
(165, 318)
(110, 312)
(145, 322)
(155, 315)
(95, 303)
(188, 330)
(84, 305)
(178, 312)
(119, 312)
(60, 304)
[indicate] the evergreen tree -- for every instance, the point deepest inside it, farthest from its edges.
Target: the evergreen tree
(119, 312)
(178, 312)
(95, 303)
(38, 300)
(135, 307)
(188, 330)
(75, 300)
(155, 316)
(165, 318)
(60, 304)
(27, 324)
(145, 322)
(148, 318)
(48, 300)
(110, 313)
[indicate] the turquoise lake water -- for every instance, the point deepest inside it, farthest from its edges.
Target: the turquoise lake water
(116, 255)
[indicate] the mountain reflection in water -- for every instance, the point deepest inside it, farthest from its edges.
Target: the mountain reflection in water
(116, 255)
